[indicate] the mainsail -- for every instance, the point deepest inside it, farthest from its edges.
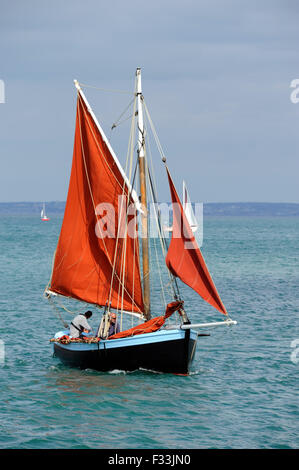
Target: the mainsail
(184, 258)
(96, 260)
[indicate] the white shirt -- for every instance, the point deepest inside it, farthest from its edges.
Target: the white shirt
(79, 321)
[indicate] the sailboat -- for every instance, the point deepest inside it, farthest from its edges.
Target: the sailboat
(188, 209)
(103, 256)
(195, 226)
(43, 214)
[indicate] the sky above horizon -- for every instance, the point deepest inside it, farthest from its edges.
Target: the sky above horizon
(216, 79)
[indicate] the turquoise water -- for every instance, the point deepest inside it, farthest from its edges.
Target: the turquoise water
(242, 392)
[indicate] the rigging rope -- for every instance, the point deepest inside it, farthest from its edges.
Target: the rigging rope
(154, 241)
(117, 123)
(154, 131)
(105, 89)
(55, 309)
(124, 245)
(172, 278)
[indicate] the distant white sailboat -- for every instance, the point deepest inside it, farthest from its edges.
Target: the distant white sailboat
(195, 226)
(43, 214)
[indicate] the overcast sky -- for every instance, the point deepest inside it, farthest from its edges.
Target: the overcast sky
(216, 78)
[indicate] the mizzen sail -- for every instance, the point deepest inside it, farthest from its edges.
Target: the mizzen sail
(184, 258)
(96, 259)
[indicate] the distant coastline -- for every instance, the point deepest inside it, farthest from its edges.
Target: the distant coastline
(56, 208)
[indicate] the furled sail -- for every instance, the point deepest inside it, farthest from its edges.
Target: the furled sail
(184, 258)
(97, 257)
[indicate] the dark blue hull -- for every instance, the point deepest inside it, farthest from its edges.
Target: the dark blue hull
(163, 351)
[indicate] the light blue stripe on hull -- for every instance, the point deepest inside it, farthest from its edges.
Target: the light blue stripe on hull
(148, 338)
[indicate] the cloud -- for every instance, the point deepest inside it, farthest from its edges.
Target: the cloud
(216, 79)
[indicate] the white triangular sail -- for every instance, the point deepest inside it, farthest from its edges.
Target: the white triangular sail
(196, 226)
(43, 214)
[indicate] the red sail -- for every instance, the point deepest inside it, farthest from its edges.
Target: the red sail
(84, 260)
(184, 258)
(151, 325)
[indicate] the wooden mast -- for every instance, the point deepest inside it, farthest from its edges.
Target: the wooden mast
(144, 216)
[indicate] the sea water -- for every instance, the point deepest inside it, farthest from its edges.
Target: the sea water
(243, 388)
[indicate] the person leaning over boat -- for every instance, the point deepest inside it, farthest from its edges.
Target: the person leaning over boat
(114, 326)
(79, 325)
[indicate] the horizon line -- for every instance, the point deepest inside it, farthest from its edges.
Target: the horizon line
(203, 202)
